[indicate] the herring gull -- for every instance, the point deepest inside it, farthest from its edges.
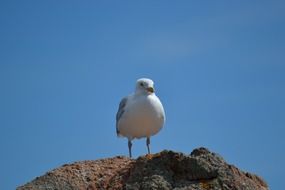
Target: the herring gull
(140, 114)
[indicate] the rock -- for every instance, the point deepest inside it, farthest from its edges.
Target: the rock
(201, 170)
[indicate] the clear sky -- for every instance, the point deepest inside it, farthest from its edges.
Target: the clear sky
(218, 68)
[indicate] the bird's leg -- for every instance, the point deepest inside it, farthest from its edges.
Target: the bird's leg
(130, 148)
(147, 144)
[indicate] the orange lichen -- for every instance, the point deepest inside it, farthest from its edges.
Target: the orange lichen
(205, 185)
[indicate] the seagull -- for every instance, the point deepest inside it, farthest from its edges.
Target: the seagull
(141, 114)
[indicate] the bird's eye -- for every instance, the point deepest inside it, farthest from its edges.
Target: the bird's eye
(141, 84)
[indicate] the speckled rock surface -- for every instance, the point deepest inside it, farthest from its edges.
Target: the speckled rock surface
(201, 170)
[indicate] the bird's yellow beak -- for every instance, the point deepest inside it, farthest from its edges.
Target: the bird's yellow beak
(150, 89)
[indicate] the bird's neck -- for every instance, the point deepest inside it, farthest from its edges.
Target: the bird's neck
(143, 93)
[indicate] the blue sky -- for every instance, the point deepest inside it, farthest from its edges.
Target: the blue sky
(218, 67)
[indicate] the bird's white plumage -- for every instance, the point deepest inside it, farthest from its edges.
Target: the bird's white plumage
(142, 114)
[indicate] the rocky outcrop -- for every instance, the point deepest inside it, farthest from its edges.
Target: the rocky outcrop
(201, 170)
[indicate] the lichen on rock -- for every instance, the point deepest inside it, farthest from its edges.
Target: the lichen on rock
(200, 170)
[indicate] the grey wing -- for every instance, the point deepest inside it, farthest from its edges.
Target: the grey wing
(120, 112)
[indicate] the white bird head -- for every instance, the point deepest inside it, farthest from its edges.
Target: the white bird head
(144, 86)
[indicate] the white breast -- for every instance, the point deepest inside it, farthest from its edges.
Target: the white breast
(143, 117)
